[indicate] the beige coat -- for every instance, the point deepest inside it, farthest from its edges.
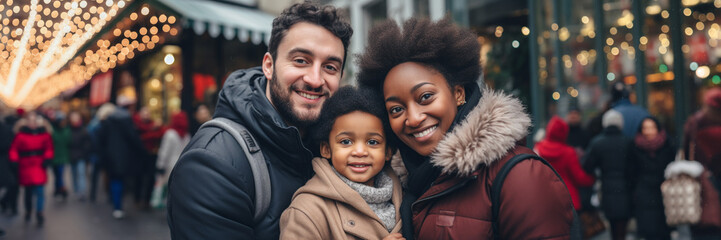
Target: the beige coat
(327, 208)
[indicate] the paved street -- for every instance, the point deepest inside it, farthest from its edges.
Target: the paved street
(77, 220)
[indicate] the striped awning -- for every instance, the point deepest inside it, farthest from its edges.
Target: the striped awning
(221, 18)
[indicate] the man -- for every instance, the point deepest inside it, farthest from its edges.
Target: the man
(632, 114)
(211, 189)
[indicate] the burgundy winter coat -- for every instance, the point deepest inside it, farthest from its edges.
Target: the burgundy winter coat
(534, 204)
(563, 158)
(29, 149)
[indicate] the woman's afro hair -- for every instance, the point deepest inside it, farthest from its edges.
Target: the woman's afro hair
(346, 100)
(443, 46)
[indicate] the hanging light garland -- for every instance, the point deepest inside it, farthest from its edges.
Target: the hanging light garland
(40, 42)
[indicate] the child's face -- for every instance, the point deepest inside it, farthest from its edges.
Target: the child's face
(357, 146)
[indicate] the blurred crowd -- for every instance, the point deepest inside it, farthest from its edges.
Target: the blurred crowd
(113, 150)
(614, 165)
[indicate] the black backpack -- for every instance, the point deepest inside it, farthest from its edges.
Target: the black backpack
(498, 184)
(261, 177)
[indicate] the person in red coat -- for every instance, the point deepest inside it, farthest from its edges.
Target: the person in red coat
(32, 148)
(563, 158)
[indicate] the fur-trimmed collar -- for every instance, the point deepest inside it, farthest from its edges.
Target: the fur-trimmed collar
(490, 130)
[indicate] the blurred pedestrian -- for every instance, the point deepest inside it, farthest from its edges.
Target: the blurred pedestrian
(652, 151)
(609, 153)
(595, 125)
(578, 137)
(120, 148)
(8, 170)
(563, 158)
(151, 132)
(94, 158)
(702, 135)
(79, 149)
(202, 114)
(632, 114)
(171, 146)
(61, 140)
(32, 149)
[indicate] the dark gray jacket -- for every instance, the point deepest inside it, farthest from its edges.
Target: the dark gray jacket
(119, 145)
(609, 153)
(211, 190)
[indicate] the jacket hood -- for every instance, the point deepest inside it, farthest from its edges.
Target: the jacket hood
(557, 130)
(550, 150)
(490, 130)
(243, 100)
(22, 126)
(612, 118)
(326, 184)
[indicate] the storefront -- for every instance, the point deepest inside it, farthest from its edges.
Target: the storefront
(560, 54)
(165, 55)
(579, 47)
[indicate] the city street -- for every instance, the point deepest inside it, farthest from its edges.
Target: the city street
(78, 220)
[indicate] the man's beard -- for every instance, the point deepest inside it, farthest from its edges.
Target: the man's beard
(281, 99)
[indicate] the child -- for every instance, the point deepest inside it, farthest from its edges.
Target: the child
(352, 195)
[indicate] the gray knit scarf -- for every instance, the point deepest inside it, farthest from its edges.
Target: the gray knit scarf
(378, 197)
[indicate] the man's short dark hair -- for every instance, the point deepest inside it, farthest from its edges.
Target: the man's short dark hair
(325, 16)
(346, 100)
(443, 46)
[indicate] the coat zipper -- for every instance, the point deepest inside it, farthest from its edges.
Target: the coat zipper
(444, 192)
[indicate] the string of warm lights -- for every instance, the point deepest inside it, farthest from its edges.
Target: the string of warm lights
(41, 60)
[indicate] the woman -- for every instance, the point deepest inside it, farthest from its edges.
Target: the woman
(32, 149)
(454, 138)
(652, 151)
(563, 158)
(702, 134)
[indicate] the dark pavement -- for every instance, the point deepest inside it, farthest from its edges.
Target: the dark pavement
(73, 219)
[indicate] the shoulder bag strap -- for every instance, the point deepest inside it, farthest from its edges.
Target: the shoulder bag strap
(498, 185)
(261, 177)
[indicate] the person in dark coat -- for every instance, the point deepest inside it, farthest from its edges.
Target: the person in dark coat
(94, 158)
(79, 148)
(578, 137)
(609, 153)
(120, 149)
(652, 151)
(9, 202)
(151, 132)
(8, 170)
(702, 135)
(211, 188)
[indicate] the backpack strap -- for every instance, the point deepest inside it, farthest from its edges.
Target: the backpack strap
(498, 185)
(261, 177)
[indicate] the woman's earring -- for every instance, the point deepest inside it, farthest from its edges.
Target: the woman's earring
(462, 102)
